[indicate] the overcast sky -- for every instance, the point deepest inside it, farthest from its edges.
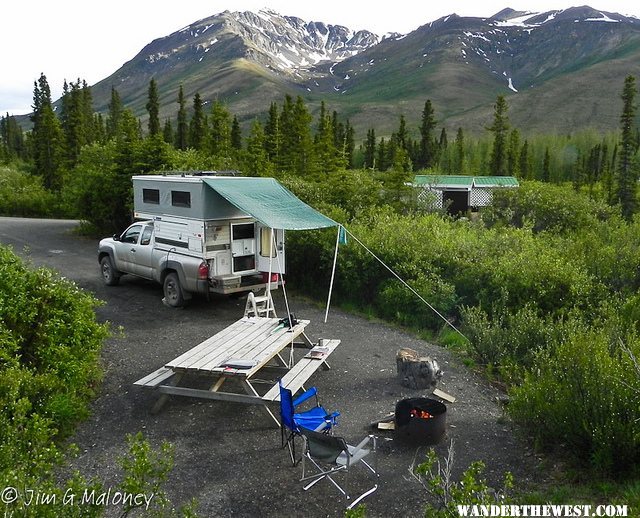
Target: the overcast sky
(70, 39)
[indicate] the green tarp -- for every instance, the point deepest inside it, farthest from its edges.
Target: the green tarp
(269, 202)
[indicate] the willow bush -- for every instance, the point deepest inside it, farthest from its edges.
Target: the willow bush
(50, 343)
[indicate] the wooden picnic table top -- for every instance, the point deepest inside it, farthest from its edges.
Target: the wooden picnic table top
(253, 341)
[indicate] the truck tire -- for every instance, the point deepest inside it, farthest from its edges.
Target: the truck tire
(172, 291)
(109, 273)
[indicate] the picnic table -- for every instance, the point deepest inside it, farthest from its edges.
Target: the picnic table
(234, 356)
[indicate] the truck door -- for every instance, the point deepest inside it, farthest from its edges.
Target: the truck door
(277, 250)
(142, 254)
(125, 249)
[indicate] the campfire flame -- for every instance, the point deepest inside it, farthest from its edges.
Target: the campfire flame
(421, 414)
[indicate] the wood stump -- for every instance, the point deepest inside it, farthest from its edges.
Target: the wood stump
(415, 371)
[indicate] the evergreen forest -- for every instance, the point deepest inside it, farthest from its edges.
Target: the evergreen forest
(544, 285)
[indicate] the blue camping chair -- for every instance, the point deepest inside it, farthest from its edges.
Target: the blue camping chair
(316, 418)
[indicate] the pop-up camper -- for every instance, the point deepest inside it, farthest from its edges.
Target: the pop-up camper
(214, 233)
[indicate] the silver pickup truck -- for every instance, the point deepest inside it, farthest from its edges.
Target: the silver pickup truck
(181, 271)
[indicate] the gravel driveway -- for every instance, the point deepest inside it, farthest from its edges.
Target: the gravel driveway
(228, 456)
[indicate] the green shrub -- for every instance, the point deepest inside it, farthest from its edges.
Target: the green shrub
(507, 338)
(396, 302)
(585, 393)
(22, 194)
(545, 206)
(472, 489)
(49, 366)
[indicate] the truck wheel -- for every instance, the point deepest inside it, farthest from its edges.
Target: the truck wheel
(109, 275)
(172, 291)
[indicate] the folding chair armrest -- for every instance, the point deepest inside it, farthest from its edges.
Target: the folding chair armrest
(306, 395)
(329, 421)
(333, 417)
(363, 443)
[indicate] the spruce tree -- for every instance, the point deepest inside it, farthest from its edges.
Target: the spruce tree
(236, 134)
(219, 141)
(273, 135)
(100, 128)
(524, 161)
(349, 145)
(500, 127)
(198, 124)
(153, 108)
(546, 166)
(182, 131)
(76, 119)
(12, 139)
(167, 132)
(443, 142)
(626, 175)
(296, 153)
(458, 157)
(324, 143)
(46, 137)
(513, 153)
(286, 152)
(427, 152)
(370, 149)
(114, 114)
(256, 159)
(402, 136)
(304, 159)
(382, 155)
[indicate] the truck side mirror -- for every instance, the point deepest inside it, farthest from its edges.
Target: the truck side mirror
(116, 237)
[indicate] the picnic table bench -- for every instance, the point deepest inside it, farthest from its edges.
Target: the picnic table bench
(236, 354)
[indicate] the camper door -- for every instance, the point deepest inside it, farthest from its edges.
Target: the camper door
(276, 248)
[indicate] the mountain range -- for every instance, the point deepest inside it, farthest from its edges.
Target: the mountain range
(560, 71)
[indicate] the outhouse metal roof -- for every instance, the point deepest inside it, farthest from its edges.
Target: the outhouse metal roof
(269, 202)
(461, 181)
(444, 180)
(495, 181)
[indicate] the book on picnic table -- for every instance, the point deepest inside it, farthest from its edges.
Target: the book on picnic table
(318, 352)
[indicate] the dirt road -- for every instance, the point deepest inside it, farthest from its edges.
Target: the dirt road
(228, 456)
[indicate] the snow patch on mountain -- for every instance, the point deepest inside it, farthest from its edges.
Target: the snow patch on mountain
(604, 18)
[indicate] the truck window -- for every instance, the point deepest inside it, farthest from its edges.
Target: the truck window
(146, 235)
(131, 235)
(151, 196)
(181, 199)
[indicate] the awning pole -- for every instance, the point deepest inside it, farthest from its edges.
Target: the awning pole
(284, 290)
(268, 290)
(333, 273)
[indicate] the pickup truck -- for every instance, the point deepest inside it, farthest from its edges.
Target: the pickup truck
(180, 272)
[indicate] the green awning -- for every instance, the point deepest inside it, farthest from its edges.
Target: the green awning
(269, 202)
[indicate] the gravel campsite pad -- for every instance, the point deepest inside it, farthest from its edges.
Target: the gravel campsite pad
(228, 455)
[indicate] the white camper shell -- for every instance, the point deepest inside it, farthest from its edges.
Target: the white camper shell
(192, 219)
(203, 233)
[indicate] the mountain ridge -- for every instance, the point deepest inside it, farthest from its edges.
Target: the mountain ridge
(249, 60)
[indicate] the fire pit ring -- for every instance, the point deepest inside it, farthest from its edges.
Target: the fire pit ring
(420, 420)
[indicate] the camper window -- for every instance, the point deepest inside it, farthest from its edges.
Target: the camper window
(151, 196)
(181, 199)
(265, 243)
(243, 231)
